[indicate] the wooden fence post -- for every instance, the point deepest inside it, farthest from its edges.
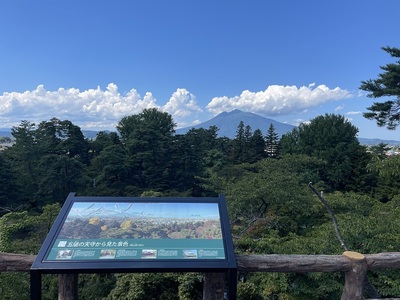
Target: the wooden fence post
(68, 287)
(214, 286)
(355, 277)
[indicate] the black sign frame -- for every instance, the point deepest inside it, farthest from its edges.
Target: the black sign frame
(44, 264)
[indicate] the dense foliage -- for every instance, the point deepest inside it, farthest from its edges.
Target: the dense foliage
(264, 178)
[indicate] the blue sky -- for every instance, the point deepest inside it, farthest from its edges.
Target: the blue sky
(93, 62)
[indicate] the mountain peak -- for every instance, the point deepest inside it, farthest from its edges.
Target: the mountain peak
(235, 111)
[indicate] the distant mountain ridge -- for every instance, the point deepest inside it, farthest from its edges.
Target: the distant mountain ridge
(227, 122)
(371, 142)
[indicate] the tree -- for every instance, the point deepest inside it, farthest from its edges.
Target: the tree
(270, 191)
(23, 157)
(61, 138)
(272, 142)
(110, 171)
(388, 176)
(248, 133)
(380, 150)
(103, 140)
(247, 147)
(73, 141)
(47, 137)
(148, 139)
(47, 161)
(149, 119)
(334, 139)
(59, 176)
(238, 149)
(257, 146)
(191, 155)
(8, 190)
(387, 84)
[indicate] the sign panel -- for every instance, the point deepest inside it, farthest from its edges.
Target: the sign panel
(139, 230)
(125, 234)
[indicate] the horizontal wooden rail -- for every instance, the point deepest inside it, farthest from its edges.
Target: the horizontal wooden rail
(293, 263)
(11, 262)
(353, 264)
(287, 263)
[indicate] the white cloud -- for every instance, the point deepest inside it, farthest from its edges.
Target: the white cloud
(182, 106)
(354, 113)
(340, 107)
(94, 108)
(278, 99)
(91, 108)
(103, 108)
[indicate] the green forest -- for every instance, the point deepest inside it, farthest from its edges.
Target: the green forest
(265, 179)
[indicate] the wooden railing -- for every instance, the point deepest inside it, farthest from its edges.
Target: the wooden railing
(353, 264)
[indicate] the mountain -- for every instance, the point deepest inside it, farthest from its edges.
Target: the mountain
(227, 122)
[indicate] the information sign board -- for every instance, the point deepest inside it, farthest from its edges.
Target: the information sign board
(139, 230)
(137, 234)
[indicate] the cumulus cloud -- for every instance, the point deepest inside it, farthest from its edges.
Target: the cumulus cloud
(102, 109)
(92, 108)
(182, 106)
(278, 99)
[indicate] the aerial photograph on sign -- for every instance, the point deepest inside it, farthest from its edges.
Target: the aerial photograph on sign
(143, 221)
